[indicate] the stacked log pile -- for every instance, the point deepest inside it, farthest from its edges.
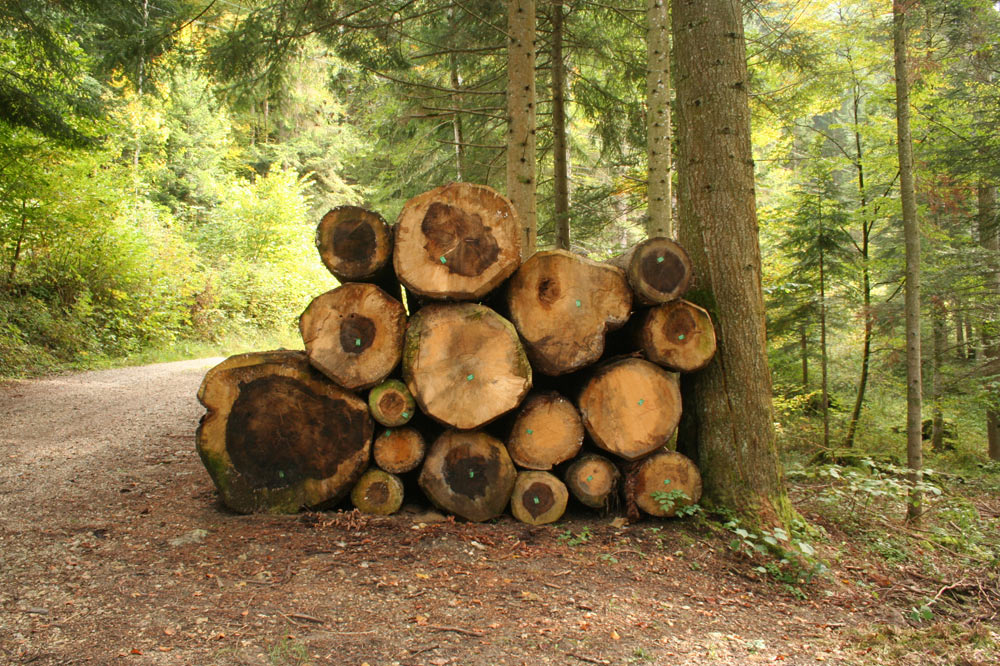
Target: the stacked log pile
(497, 385)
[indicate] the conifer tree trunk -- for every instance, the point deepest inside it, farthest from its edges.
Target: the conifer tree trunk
(521, 118)
(824, 379)
(987, 200)
(660, 222)
(911, 235)
(560, 150)
(938, 316)
(718, 224)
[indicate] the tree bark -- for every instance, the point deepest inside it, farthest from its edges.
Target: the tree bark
(464, 364)
(378, 493)
(961, 353)
(547, 431)
(521, 183)
(664, 472)
(354, 334)
(658, 270)
(391, 403)
(824, 378)
(660, 221)
(456, 242)
(631, 407)
(355, 244)
(560, 149)
(718, 224)
(468, 474)
(593, 480)
(278, 435)
(399, 450)
(911, 235)
(563, 305)
(678, 335)
(538, 498)
(938, 317)
(986, 195)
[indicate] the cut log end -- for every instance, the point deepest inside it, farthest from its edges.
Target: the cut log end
(468, 474)
(658, 269)
(391, 403)
(563, 305)
(547, 431)
(354, 334)
(631, 407)
(399, 450)
(355, 244)
(678, 335)
(538, 498)
(378, 492)
(593, 480)
(257, 460)
(664, 482)
(456, 242)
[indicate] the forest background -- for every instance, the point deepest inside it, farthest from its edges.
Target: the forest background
(163, 165)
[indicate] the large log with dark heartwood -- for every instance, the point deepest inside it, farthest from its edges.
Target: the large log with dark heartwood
(286, 430)
(278, 436)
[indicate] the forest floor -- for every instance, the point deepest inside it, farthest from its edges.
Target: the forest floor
(115, 549)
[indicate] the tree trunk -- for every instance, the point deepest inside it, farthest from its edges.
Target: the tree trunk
(378, 493)
(961, 352)
(355, 244)
(824, 379)
(464, 364)
(989, 239)
(456, 242)
(563, 304)
(521, 182)
(678, 335)
(593, 480)
(631, 407)
(663, 483)
(538, 498)
(399, 450)
(911, 235)
(938, 316)
(391, 403)
(660, 222)
(468, 474)
(718, 224)
(547, 431)
(658, 270)
(354, 334)
(804, 353)
(278, 435)
(560, 149)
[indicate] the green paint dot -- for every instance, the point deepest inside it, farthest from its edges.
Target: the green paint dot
(406, 415)
(680, 337)
(357, 342)
(659, 260)
(388, 433)
(590, 478)
(579, 304)
(641, 401)
(529, 431)
(536, 499)
(666, 482)
(443, 260)
(471, 474)
(469, 378)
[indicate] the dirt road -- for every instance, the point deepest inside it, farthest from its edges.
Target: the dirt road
(114, 549)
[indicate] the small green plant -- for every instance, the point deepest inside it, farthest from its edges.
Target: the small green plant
(287, 652)
(922, 614)
(788, 558)
(608, 558)
(578, 539)
(676, 502)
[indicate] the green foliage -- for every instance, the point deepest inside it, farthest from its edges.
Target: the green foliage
(675, 501)
(578, 539)
(788, 558)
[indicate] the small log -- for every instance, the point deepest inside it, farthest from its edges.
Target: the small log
(378, 492)
(664, 472)
(593, 480)
(464, 364)
(399, 450)
(354, 334)
(468, 474)
(538, 498)
(547, 431)
(456, 242)
(355, 244)
(391, 403)
(563, 305)
(678, 335)
(658, 270)
(631, 407)
(278, 435)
